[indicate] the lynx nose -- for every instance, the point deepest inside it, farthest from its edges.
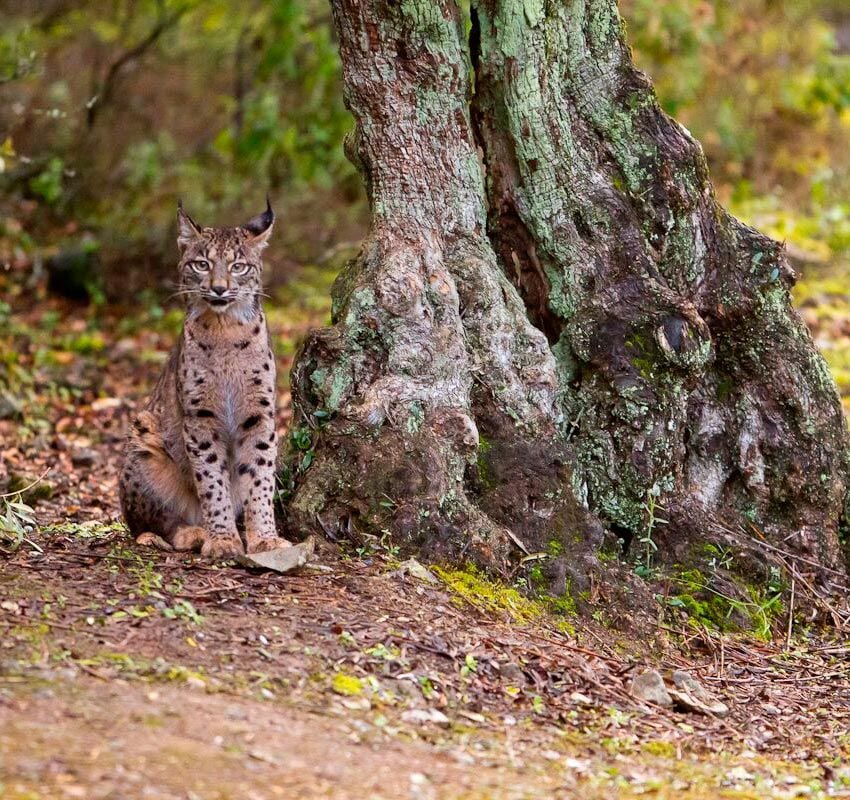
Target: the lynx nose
(219, 290)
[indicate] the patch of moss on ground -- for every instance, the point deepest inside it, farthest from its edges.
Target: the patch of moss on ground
(474, 587)
(346, 685)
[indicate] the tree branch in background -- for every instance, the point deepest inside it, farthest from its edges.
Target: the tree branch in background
(107, 87)
(239, 84)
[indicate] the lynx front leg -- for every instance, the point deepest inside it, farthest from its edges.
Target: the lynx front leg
(207, 455)
(255, 458)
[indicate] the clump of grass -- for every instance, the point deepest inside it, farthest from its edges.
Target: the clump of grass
(17, 520)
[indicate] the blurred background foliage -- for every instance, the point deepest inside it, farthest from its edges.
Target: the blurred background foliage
(765, 86)
(110, 111)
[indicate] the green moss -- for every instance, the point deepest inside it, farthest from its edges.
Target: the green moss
(555, 547)
(563, 605)
(478, 590)
(659, 748)
(755, 608)
(346, 685)
(475, 588)
(642, 352)
(535, 576)
(486, 475)
(31, 490)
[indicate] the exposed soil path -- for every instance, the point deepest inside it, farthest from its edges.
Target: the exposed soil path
(130, 673)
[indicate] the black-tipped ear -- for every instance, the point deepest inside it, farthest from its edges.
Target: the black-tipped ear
(260, 227)
(187, 229)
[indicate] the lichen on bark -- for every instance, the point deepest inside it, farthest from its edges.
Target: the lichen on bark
(660, 296)
(551, 318)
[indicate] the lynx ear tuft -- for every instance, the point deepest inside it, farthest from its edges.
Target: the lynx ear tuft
(260, 227)
(187, 229)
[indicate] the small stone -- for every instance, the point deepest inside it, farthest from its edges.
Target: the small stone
(282, 559)
(425, 716)
(512, 672)
(262, 755)
(649, 686)
(416, 570)
(357, 703)
(106, 404)
(10, 406)
(472, 716)
(124, 347)
(691, 695)
(149, 539)
(84, 458)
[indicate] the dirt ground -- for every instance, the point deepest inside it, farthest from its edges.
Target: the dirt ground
(130, 673)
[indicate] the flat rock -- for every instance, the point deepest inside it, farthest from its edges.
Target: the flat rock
(85, 457)
(416, 570)
(282, 559)
(425, 716)
(689, 694)
(649, 686)
(150, 539)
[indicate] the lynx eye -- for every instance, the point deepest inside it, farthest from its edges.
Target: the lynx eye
(239, 268)
(200, 266)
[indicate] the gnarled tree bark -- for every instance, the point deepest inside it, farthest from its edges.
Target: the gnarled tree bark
(552, 324)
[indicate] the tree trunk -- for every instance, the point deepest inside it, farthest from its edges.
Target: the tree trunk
(552, 328)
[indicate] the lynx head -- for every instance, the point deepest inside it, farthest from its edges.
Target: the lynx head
(221, 269)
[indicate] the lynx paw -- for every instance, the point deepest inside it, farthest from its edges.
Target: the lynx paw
(189, 537)
(221, 547)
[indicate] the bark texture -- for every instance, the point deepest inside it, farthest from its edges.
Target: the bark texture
(552, 322)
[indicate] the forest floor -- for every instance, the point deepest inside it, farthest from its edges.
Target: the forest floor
(127, 673)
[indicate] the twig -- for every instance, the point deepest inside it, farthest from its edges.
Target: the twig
(780, 551)
(790, 614)
(38, 480)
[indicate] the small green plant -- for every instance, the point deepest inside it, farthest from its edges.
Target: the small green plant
(721, 557)
(645, 569)
(426, 687)
(381, 651)
(183, 609)
(709, 606)
(470, 665)
(17, 520)
(373, 546)
(149, 580)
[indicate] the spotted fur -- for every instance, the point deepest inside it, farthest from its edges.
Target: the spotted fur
(200, 458)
